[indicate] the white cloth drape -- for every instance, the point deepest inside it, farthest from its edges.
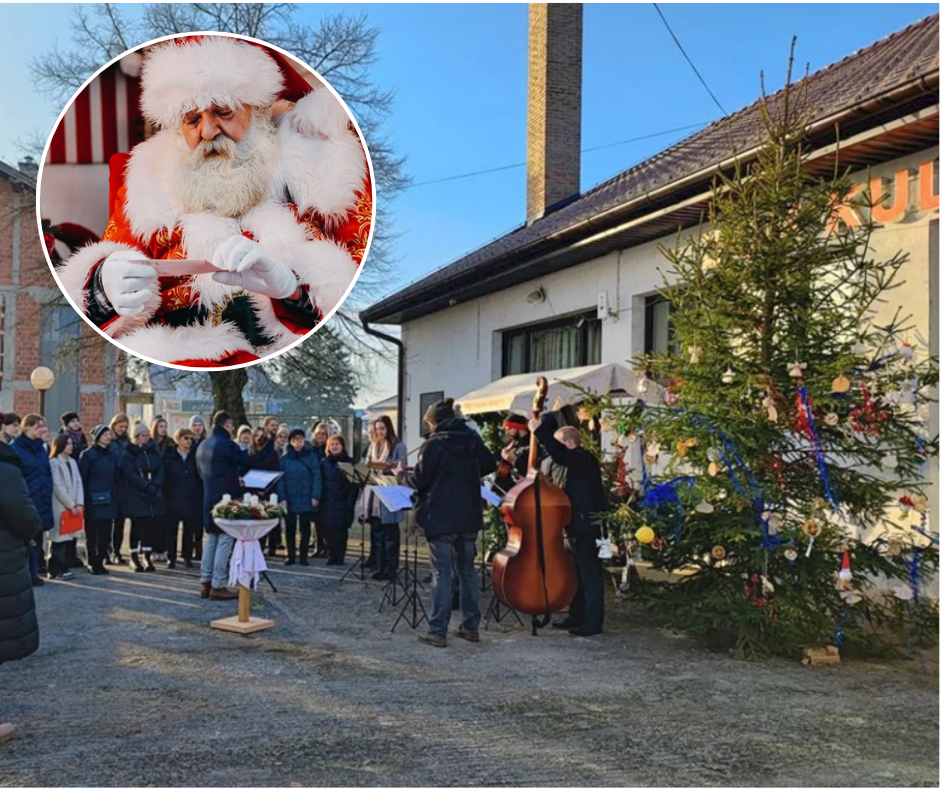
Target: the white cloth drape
(247, 562)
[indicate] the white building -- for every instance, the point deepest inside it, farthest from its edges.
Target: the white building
(576, 284)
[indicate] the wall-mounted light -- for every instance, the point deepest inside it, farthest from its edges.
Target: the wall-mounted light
(537, 296)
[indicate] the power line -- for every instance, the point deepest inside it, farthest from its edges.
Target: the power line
(523, 164)
(689, 60)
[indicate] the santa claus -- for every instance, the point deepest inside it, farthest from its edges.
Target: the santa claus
(251, 170)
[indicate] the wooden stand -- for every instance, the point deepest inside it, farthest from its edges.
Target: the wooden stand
(821, 656)
(243, 623)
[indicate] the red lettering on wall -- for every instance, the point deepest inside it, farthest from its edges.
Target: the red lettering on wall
(899, 197)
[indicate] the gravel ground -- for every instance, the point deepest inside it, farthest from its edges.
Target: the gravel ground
(132, 687)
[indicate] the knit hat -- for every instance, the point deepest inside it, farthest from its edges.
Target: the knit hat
(515, 422)
(197, 419)
(140, 428)
(440, 411)
(98, 430)
(68, 416)
(195, 72)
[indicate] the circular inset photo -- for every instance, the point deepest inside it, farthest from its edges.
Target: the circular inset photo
(206, 200)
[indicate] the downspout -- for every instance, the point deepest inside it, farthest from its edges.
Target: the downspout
(401, 370)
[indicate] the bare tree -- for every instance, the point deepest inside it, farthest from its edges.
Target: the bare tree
(341, 48)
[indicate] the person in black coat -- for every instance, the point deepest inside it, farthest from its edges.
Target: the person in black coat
(221, 464)
(337, 500)
(319, 437)
(182, 494)
(262, 456)
(585, 489)
(120, 426)
(100, 472)
(449, 509)
(19, 522)
(144, 476)
(37, 472)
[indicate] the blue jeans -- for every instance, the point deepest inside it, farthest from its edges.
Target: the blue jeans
(447, 553)
(216, 552)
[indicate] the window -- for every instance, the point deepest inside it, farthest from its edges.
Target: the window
(572, 342)
(659, 336)
(426, 401)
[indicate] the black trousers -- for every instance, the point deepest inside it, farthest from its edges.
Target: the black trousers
(336, 539)
(587, 609)
(145, 532)
(117, 535)
(388, 544)
(58, 561)
(190, 528)
(320, 537)
(290, 527)
(98, 540)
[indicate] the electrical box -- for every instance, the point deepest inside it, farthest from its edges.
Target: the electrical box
(602, 311)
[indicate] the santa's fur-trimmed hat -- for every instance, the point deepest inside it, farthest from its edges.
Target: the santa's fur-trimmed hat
(196, 72)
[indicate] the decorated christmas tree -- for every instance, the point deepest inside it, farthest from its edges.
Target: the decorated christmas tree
(790, 434)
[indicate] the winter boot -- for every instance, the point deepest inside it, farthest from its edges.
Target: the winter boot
(148, 560)
(135, 561)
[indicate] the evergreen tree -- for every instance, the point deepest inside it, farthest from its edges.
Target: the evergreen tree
(793, 420)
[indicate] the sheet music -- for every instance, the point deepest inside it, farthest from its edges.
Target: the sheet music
(395, 498)
(490, 497)
(260, 480)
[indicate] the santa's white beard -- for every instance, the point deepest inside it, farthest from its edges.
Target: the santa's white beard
(225, 177)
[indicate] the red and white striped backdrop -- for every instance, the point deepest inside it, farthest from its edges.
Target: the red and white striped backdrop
(103, 120)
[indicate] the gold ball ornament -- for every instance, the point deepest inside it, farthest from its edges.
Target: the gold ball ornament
(644, 534)
(718, 552)
(811, 528)
(841, 385)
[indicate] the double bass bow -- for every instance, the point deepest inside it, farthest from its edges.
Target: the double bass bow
(534, 574)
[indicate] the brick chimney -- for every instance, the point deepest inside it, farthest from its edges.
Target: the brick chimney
(29, 167)
(553, 170)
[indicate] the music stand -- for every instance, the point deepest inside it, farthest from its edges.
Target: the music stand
(360, 476)
(413, 601)
(499, 612)
(263, 483)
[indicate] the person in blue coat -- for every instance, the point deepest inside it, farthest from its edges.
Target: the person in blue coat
(120, 427)
(300, 487)
(221, 464)
(183, 496)
(144, 475)
(338, 505)
(34, 457)
(100, 472)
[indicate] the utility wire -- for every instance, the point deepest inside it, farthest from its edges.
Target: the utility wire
(689, 60)
(523, 164)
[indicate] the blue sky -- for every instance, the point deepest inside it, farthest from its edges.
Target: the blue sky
(459, 72)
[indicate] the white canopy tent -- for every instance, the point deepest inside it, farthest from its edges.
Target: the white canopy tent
(515, 392)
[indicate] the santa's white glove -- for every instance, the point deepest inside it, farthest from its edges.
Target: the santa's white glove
(249, 265)
(125, 277)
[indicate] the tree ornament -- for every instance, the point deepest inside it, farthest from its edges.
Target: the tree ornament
(704, 507)
(728, 377)
(790, 554)
(644, 534)
(718, 552)
(841, 385)
(695, 354)
(713, 468)
(906, 353)
(831, 419)
(795, 369)
(657, 544)
(683, 446)
(812, 529)
(771, 408)
(844, 581)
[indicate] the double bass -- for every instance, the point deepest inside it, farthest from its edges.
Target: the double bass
(534, 574)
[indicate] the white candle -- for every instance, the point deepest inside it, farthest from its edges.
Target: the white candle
(247, 499)
(254, 500)
(273, 498)
(226, 498)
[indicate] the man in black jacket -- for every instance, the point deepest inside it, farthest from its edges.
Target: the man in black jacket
(449, 510)
(582, 483)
